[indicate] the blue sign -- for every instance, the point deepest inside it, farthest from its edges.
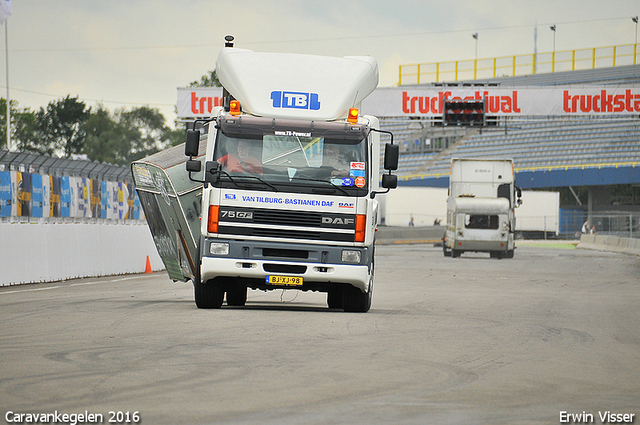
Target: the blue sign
(37, 197)
(5, 194)
(295, 100)
(136, 206)
(65, 197)
(104, 199)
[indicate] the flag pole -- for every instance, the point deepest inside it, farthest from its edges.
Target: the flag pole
(6, 50)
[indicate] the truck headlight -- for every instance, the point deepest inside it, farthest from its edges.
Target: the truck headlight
(349, 256)
(219, 248)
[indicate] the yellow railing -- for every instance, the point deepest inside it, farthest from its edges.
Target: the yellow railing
(518, 65)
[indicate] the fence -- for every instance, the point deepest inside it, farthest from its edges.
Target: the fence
(623, 225)
(620, 224)
(517, 65)
(39, 188)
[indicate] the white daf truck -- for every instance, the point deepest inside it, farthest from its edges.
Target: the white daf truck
(481, 207)
(282, 183)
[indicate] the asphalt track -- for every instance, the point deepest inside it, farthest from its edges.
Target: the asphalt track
(470, 340)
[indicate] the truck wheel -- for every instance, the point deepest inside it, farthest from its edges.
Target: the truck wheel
(445, 249)
(356, 301)
(509, 254)
(208, 294)
(455, 253)
(334, 298)
(236, 295)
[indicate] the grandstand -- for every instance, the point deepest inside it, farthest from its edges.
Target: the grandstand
(548, 143)
(587, 153)
(535, 143)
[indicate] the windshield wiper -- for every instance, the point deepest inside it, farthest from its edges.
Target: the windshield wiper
(244, 186)
(321, 181)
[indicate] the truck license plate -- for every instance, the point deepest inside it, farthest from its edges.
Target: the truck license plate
(284, 280)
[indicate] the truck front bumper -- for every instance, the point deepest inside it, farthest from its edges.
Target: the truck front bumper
(481, 246)
(315, 264)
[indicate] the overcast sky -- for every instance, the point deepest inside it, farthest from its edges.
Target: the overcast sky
(127, 53)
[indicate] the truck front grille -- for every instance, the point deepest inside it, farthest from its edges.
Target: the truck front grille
(286, 224)
(291, 218)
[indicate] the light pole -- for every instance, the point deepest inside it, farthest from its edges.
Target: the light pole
(475, 62)
(553, 54)
(475, 36)
(635, 46)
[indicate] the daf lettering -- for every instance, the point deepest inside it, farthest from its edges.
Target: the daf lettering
(337, 220)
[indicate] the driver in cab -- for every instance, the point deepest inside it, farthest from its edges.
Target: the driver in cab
(241, 161)
(334, 159)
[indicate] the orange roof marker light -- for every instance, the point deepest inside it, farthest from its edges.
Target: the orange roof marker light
(353, 115)
(234, 107)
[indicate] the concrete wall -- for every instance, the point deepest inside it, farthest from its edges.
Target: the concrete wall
(32, 253)
(610, 244)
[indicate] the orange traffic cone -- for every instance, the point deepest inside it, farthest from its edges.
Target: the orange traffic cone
(147, 269)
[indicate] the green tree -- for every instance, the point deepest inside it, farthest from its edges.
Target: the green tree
(27, 133)
(152, 136)
(126, 135)
(61, 124)
(210, 79)
(3, 122)
(106, 139)
(23, 126)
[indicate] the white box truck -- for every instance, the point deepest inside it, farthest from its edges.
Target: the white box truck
(480, 207)
(283, 193)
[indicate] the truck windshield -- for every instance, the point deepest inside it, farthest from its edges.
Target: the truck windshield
(293, 160)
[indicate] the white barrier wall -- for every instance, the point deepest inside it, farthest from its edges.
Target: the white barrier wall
(610, 244)
(32, 253)
(539, 210)
(424, 204)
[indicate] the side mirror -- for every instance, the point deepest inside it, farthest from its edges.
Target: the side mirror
(192, 143)
(211, 171)
(194, 166)
(389, 181)
(391, 154)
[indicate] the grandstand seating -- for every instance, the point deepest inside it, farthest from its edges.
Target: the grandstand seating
(535, 142)
(545, 143)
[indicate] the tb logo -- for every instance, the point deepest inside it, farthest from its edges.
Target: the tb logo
(295, 100)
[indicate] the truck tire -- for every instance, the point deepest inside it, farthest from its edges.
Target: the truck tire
(334, 298)
(356, 301)
(208, 294)
(445, 249)
(455, 253)
(509, 254)
(236, 295)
